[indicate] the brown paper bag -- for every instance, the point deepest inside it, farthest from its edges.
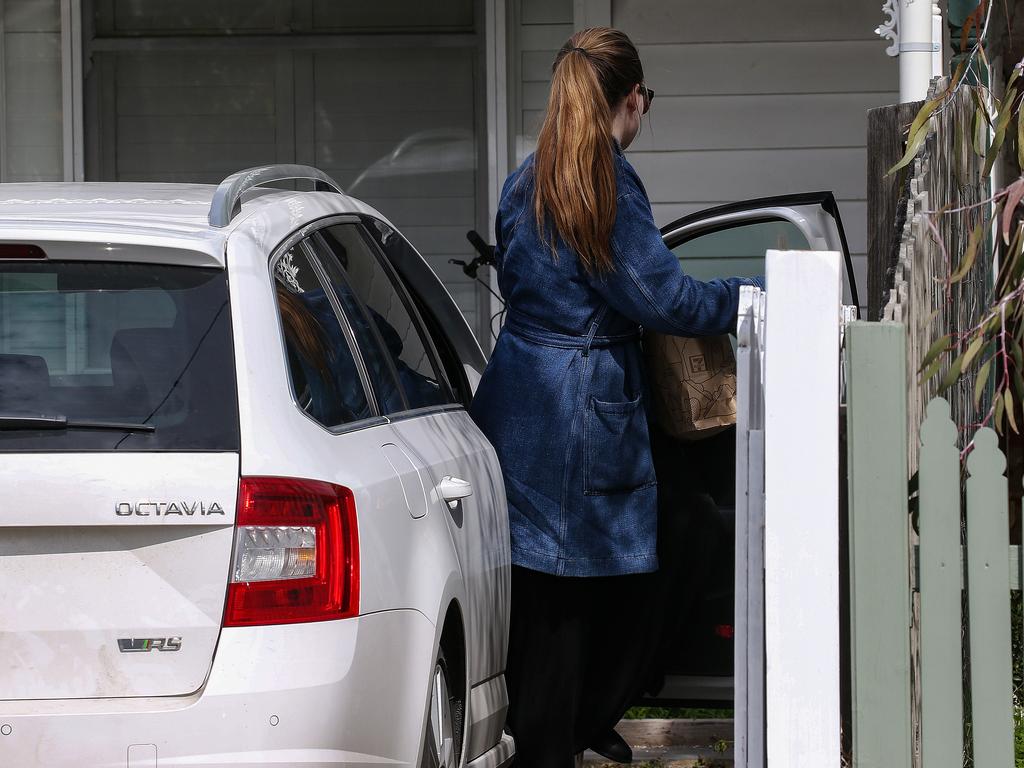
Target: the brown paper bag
(693, 384)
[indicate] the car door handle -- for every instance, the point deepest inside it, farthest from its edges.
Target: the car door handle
(452, 489)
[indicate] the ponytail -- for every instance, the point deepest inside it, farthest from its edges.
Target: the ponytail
(574, 163)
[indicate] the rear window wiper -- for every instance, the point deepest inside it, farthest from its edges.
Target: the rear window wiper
(10, 421)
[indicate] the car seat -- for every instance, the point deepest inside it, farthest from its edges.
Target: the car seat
(146, 366)
(24, 384)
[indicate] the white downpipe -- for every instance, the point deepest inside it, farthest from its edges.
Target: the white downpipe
(72, 119)
(937, 24)
(916, 49)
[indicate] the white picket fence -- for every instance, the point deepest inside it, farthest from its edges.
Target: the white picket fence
(787, 706)
(749, 638)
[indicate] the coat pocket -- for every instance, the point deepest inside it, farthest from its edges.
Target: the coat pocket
(616, 448)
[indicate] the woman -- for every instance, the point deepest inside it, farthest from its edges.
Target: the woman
(582, 267)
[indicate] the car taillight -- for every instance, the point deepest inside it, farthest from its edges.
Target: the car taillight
(296, 553)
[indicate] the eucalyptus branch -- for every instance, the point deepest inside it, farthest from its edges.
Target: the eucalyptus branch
(970, 206)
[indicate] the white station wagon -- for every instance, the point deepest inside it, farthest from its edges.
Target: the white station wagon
(245, 519)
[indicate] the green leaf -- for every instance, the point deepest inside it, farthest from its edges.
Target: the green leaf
(973, 348)
(1020, 140)
(983, 56)
(1008, 396)
(917, 133)
(936, 349)
(979, 102)
(982, 380)
(931, 371)
(952, 374)
(997, 417)
(1015, 354)
(959, 159)
(1010, 267)
(1014, 193)
(977, 134)
(969, 256)
(1005, 112)
(1013, 77)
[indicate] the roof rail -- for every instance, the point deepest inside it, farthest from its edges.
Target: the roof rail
(227, 200)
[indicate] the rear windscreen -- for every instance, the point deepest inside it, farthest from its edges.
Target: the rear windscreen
(115, 356)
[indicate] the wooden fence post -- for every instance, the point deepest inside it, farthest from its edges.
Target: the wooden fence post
(886, 199)
(988, 586)
(879, 544)
(939, 523)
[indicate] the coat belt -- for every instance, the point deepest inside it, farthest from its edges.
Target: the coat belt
(525, 327)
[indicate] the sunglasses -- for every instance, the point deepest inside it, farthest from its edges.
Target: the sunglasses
(648, 95)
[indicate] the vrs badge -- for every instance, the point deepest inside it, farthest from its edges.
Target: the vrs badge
(146, 644)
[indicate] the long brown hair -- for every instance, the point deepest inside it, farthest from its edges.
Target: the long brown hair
(574, 164)
(302, 329)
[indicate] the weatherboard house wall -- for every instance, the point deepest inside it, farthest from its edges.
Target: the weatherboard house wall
(753, 99)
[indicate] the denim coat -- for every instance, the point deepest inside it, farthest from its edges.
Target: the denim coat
(562, 398)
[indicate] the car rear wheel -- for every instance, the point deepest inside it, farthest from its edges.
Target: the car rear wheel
(444, 719)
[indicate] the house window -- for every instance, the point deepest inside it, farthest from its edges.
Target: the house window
(30, 91)
(385, 97)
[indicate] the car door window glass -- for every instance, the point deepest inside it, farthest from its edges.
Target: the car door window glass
(737, 251)
(355, 268)
(399, 252)
(324, 375)
(380, 366)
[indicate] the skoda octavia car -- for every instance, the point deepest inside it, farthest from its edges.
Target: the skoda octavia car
(245, 519)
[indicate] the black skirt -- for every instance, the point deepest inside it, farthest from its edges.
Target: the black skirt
(579, 651)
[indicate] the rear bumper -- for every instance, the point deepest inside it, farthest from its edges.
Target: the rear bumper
(350, 692)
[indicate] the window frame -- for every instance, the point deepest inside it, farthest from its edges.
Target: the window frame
(816, 214)
(462, 388)
(320, 241)
(298, 240)
(398, 285)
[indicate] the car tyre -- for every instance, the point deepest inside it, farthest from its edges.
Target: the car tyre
(442, 740)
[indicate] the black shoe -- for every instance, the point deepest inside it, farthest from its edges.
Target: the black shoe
(609, 744)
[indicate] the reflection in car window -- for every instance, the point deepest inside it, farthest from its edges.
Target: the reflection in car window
(739, 250)
(380, 366)
(117, 342)
(354, 268)
(402, 255)
(325, 379)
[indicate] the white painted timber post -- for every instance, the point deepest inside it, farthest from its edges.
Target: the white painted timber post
(916, 49)
(914, 28)
(748, 646)
(802, 508)
(938, 23)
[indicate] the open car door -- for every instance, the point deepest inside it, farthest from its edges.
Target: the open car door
(697, 479)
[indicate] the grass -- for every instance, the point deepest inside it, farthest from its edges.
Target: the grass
(1018, 737)
(679, 713)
